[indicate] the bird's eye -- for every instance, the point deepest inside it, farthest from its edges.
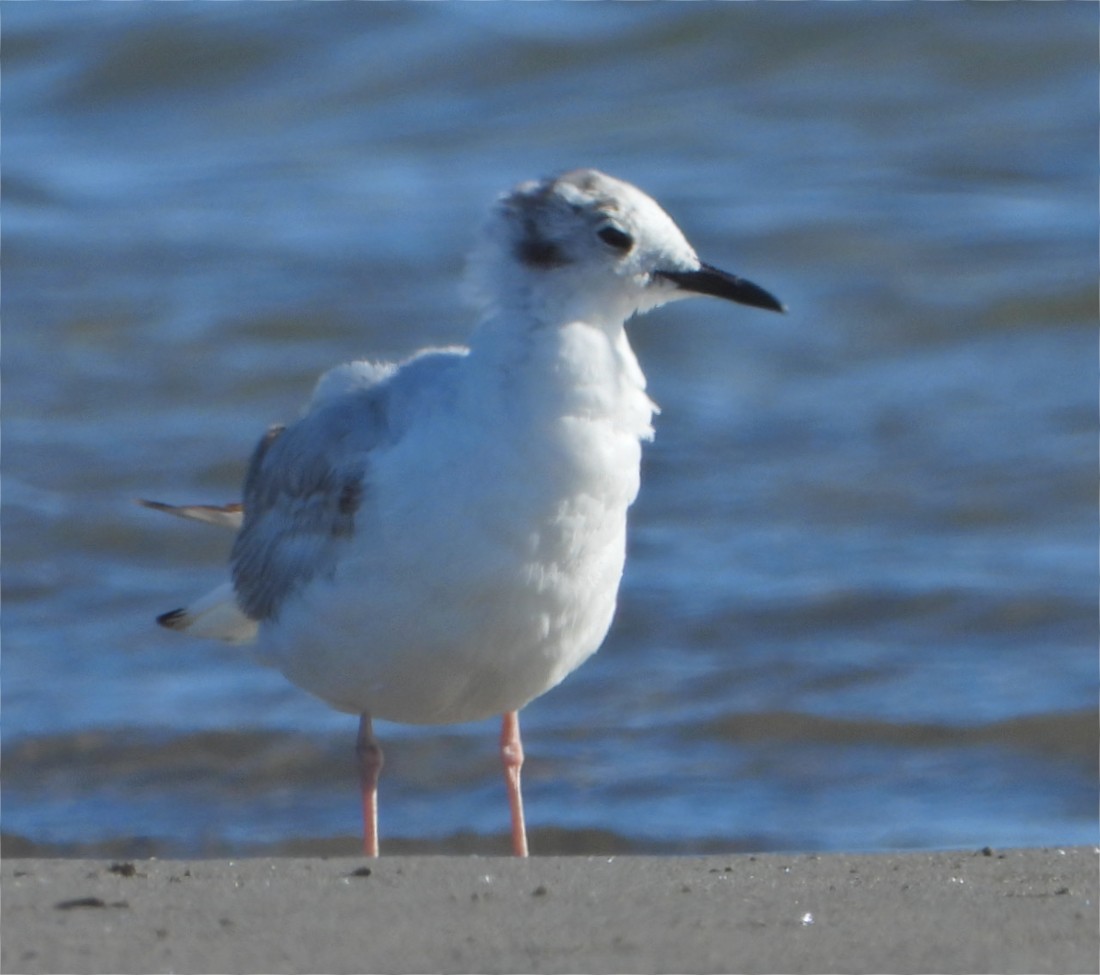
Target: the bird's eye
(614, 237)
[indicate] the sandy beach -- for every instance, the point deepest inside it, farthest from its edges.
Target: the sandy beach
(969, 911)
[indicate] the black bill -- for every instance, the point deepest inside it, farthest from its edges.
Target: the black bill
(710, 281)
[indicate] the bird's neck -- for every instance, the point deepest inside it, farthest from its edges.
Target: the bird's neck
(569, 368)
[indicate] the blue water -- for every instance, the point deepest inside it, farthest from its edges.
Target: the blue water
(860, 605)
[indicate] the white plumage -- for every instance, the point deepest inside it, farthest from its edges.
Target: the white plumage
(442, 540)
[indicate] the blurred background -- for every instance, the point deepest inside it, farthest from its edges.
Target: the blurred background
(859, 611)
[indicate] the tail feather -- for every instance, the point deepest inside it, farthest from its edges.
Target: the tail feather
(215, 616)
(223, 515)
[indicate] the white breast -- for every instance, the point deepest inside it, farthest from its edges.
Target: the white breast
(488, 552)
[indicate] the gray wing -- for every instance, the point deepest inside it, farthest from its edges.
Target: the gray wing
(307, 482)
(304, 485)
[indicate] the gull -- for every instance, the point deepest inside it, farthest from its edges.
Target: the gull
(441, 540)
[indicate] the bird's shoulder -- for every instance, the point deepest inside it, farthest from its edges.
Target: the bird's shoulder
(306, 481)
(355, 408)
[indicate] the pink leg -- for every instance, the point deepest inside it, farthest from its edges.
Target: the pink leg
(511, 754)
(369, 753)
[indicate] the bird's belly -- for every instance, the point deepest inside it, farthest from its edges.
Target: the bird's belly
(454, 611)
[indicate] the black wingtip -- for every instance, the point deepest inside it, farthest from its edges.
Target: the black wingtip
(173, 620)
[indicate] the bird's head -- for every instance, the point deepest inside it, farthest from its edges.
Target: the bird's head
(586, 246)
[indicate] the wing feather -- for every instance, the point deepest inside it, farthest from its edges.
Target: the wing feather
(306, 483)
(304, 486)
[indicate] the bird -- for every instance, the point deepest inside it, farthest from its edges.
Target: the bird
(442, 539)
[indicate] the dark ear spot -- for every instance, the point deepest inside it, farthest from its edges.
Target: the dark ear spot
(351, 497)
(535, 250)
(347, 504)
(540, 253)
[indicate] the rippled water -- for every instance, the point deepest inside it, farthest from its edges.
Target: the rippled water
(860, 605)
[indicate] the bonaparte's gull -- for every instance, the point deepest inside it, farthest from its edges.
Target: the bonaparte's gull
(442, 540)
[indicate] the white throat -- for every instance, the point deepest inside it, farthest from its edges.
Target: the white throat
(571, 368)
